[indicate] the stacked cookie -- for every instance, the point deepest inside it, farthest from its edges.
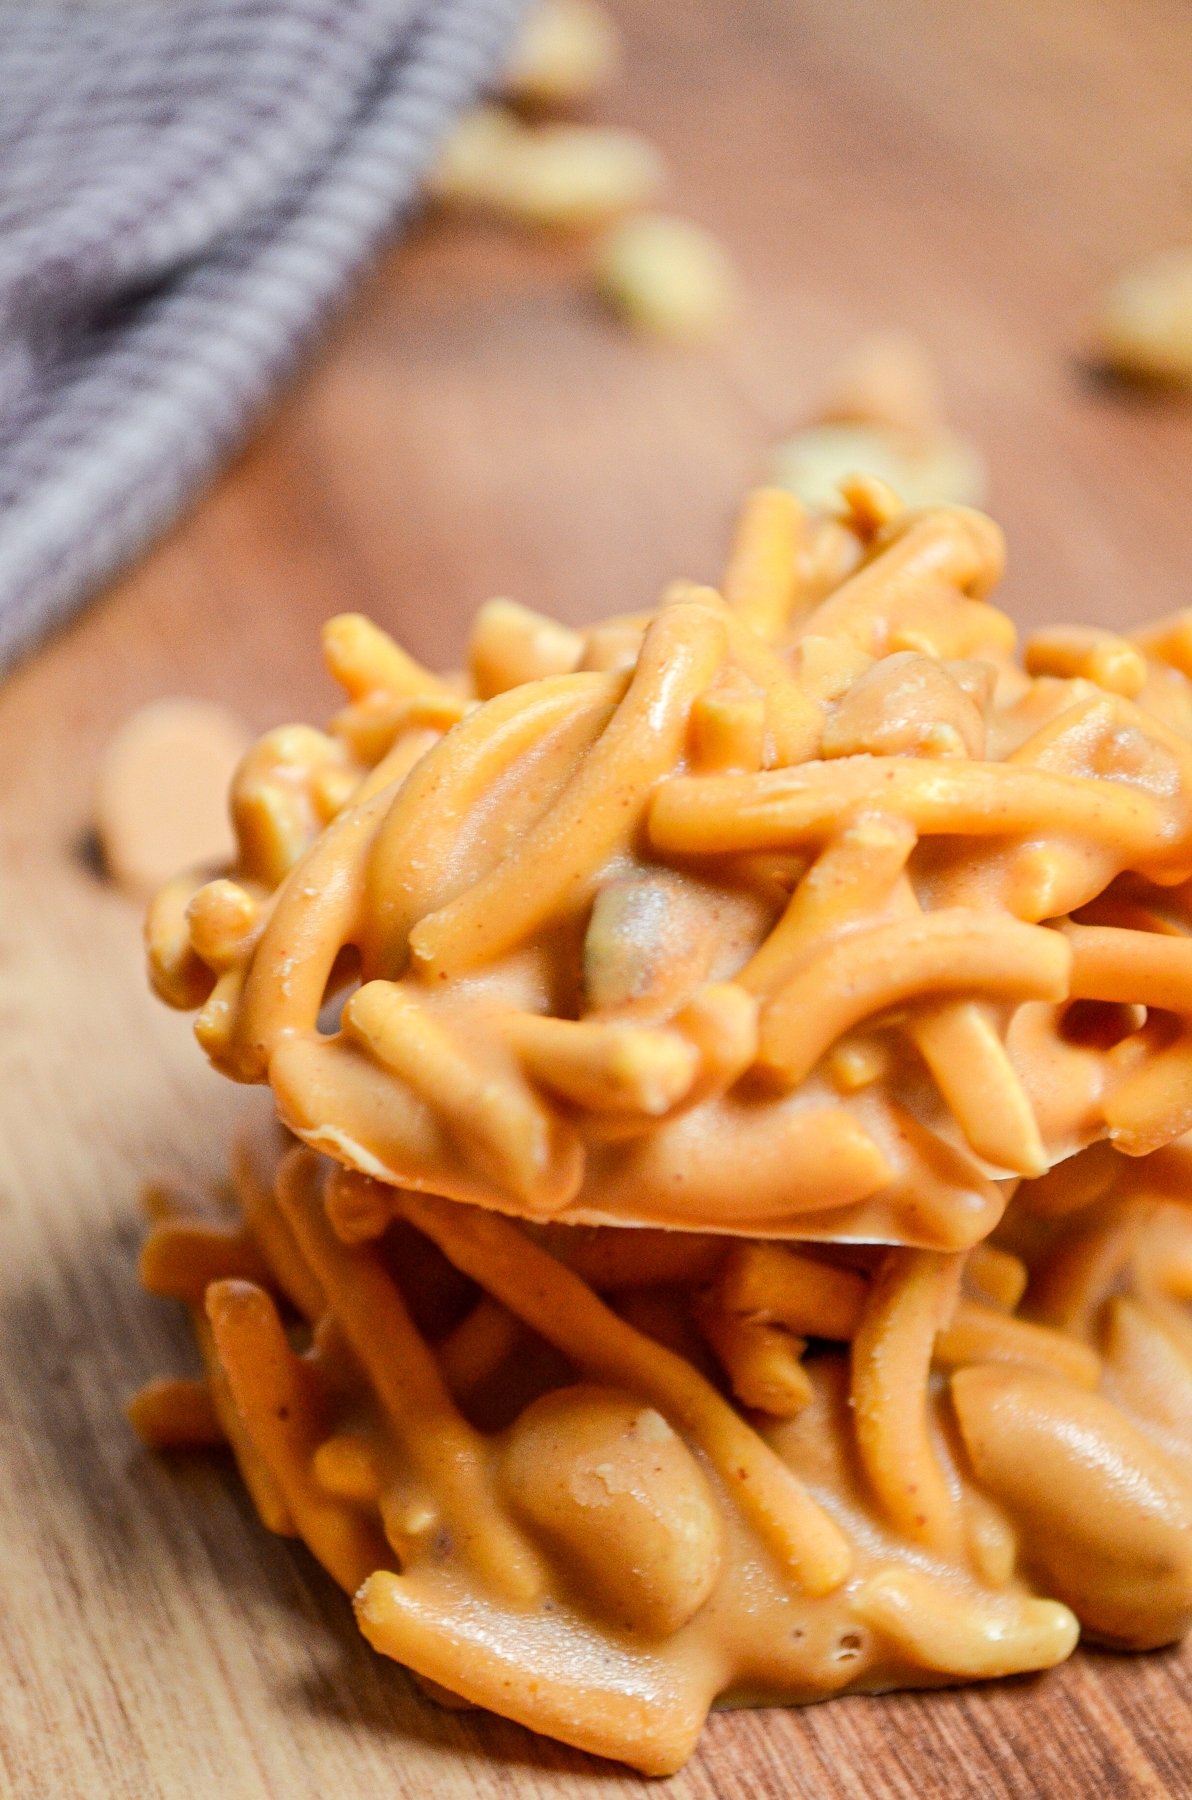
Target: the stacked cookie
(726, 1234)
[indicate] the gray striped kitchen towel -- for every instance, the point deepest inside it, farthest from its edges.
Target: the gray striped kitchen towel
(186, 187)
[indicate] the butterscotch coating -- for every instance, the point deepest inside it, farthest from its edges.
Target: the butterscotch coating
(578, 1494)
(772, 911)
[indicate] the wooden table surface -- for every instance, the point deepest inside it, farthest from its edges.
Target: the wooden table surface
(475, 427)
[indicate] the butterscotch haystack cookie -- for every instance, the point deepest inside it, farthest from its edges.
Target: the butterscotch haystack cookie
(596, 1479)
(785, 911)
(742, 1059)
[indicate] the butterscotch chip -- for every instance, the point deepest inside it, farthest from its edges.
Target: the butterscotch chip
(161, 800)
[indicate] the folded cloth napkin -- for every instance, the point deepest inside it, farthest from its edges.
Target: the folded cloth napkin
(186, 187)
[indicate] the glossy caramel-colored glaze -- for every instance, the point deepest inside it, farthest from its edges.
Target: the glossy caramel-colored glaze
(773, 913)
(522, 1450)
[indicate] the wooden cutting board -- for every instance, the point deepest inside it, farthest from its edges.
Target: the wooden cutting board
(475, 427)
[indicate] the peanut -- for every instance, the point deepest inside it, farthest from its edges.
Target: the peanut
(667, 278)
(1144, 324)
(567, 51)
(1108, 1519)
(622, 1502)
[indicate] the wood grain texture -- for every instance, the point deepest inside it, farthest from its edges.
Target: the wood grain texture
(474, 427)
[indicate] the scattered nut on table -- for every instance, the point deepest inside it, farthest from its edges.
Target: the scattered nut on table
(567, 51)
(566, 176)
(882, 416)
(471, 165)
(161, 797)
(1143, 327)
(666, 277)
(887, 379)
